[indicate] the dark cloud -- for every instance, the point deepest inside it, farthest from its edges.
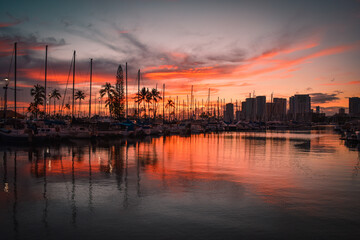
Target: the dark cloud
(324, 97)
(28, 41)
(232, 56)
(66, 22)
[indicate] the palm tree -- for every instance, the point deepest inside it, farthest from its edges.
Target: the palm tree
(107, 89)
(81, 96)
(170, 104)
(55, 94)
(67, 106)
(38, 92)
(110, 91)
(156, 97)
(148, 100)
(33, 108)
(141, 97)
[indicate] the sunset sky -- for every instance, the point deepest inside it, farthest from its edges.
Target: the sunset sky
(231, 47)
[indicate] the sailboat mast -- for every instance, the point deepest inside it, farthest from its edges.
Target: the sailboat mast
(46, 55)
(177, 108)
(91, 61)
(191, 100)
(187, 106)
(208, 107)
(15, 70)
(73, 90)
(163, 103)
(126, 83)
(183, 109)
(138, 107)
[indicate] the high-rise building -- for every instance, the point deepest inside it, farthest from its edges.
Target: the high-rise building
(300, 107)
(354, 106)
(279, 109)
(269, 111)
(291, 106)
(229, 113)
(250, 109)
(260, 108)
(237, 115)
(341, 111)
(243, 110)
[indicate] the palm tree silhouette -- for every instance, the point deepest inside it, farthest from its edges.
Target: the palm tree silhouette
(170, 104)
(110, 91)
(81, 96)
(55, 94)
(142, 97)
(148, 100)
(67, 106)
(38, 92)
(156, 97)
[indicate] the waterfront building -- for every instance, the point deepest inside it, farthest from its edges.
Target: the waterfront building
(341, 111)
(269, 111)
(279, 109)
(250, 109)
(229, 113)
(243, 111)
(300, 107)
(354, 106)
(260, 108)
(238, 116)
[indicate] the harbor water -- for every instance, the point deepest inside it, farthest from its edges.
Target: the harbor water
(239, 185)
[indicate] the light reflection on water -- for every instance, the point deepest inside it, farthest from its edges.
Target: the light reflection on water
(215, 186)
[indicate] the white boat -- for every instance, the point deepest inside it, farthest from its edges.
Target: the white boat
(20, 135)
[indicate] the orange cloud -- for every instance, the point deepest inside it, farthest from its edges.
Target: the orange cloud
(265, 63)
(343, 83)
(192, 73)
(61, 78)
(273, 53)
(178, 55)
(8, 24)
(7, 48)
(243, 71)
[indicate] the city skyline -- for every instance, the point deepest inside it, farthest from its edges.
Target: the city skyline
(232, 48)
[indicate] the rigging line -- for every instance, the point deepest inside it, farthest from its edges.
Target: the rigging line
(51, 67)
(83, 76)
(87, 79)
(67, 82)
(51, 71)
(12, 56)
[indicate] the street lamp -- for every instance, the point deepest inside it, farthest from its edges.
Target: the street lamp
(5, 96)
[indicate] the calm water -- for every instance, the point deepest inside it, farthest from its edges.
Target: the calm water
(293, 185)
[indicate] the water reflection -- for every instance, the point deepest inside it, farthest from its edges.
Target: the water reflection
(91, 208)
(45, 211)
(5, 181)
(178, 184)
(15, 195)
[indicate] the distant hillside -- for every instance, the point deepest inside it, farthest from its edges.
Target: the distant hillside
(10, 114)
